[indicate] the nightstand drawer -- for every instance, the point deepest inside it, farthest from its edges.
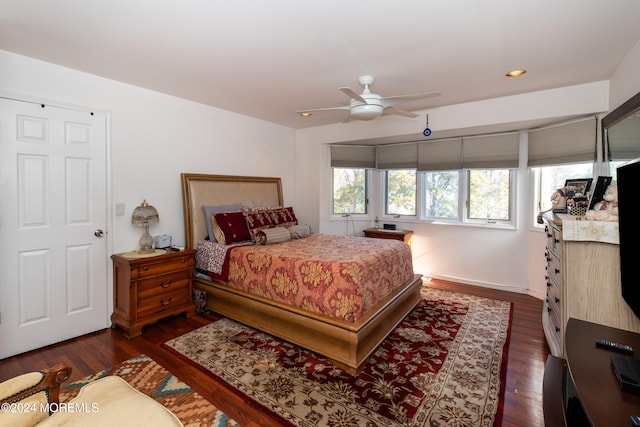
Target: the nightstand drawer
(163, 284)
(151, 269)
(162, 302)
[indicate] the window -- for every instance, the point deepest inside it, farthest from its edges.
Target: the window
(400, 186)
(349, 191)
(549, 178)
(613, 168)
(489, 195)
(441, 191)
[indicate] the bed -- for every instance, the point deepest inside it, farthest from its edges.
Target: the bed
(346, 342)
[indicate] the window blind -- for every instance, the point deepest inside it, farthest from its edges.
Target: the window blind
(622, 139)
(440, 155)
(397, 156)
(571, 142)
(353, 156)
(491, 151)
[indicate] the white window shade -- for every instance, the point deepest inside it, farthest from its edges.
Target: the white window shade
(397, 156)
(491, 151)
(353, 156)
(440, 155)
(572, 142)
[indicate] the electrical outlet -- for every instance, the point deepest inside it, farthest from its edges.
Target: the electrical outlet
(119, 209)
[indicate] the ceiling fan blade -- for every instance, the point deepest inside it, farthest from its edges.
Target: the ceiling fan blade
(388, 101)
(351, 94)
(344, 107)
(389, 111)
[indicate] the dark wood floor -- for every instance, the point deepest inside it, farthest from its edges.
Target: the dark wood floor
(91, 353)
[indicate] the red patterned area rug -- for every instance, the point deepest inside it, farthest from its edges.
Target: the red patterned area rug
(147, 376)
(445, 365)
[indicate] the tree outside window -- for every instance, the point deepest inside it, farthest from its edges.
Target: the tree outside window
(489, 194)
(401, 192)
(441, 192)
(349, 191)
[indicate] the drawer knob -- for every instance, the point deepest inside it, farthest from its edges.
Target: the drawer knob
(165, 285)
(145, 268)
(167, 302)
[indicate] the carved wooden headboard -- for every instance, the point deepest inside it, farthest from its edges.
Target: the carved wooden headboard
(217, 190)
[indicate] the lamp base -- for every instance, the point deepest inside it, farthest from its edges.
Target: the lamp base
(146, 241)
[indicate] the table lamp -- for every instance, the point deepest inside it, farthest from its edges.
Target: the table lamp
(143, 215)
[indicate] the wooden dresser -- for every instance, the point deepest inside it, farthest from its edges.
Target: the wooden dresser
(583, 278)
(150, 288)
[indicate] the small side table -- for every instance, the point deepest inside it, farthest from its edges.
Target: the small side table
(381, 233)
(147, 289)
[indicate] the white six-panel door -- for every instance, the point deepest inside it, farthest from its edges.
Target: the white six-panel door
(53, 252)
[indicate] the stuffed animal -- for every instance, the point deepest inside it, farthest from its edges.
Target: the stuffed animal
(607, 209)
(559, 199)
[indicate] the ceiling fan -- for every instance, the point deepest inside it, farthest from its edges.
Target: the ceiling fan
(368, 105)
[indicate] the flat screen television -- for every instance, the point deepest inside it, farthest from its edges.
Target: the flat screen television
(629, 229)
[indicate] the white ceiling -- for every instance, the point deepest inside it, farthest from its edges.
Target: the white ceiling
(267, 59)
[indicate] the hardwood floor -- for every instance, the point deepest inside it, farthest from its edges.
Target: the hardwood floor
(91, 353)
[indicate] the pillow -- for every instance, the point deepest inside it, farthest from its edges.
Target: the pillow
(299, 231)
(257, 220)
(230, 227)
(208, 216)
(269, 236)
(283, 216)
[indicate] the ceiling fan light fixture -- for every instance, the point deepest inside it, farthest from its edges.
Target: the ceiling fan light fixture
(515, 73)
(366, 111)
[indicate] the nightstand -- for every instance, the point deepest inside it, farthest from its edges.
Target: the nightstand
(381, 233)
(147, 289)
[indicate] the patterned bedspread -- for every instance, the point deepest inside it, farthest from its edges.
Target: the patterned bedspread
(339, 276)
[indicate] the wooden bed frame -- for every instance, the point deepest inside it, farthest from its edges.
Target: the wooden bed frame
(347, 345)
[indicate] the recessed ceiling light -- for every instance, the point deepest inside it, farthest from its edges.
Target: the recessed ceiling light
(515, 73)
(305, 114)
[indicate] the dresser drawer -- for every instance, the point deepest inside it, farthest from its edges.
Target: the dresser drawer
(163, 284)
(553, 239)
(553, 298)
(161, 302)
(553, 268)
(151, 269)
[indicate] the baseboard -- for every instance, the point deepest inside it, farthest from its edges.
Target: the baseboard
(495, 286)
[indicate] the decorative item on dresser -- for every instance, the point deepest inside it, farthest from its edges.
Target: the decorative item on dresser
(583, 277)
(381, 233)
(148, 288)
(144, 215)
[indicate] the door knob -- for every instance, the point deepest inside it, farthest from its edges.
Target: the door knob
(98, 233)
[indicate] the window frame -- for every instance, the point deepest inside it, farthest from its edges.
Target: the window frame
(367, 195)
(463, 202)
(385, 197)
(511, 221)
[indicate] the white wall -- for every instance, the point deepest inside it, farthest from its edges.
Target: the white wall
(155, 137)
(625, 82)
(508, 259)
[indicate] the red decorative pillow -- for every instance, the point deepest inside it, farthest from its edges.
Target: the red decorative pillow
(258, 220)
(284, 217)
(230, 227)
